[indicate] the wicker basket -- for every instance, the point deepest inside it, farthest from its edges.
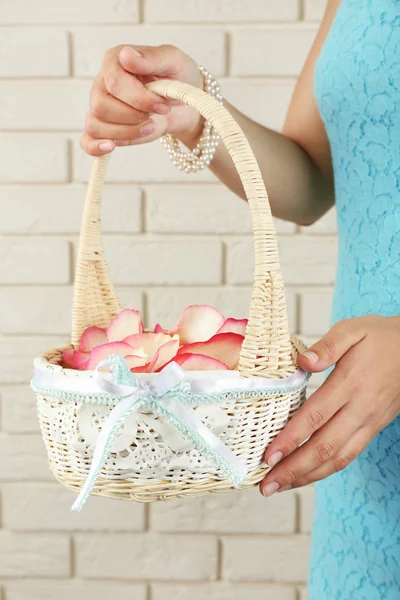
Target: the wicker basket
(149, 460)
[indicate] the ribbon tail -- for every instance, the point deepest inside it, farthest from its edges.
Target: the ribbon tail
(104, 442)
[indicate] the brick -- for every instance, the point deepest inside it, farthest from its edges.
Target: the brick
(221, 591)
(199, 209)
(34, 261)
(23, 458)
(252, 98)
(32, 555)
(270, 51)
(325, 225)
(41, 310)
(220, 11)
(32, 158)
(283, 559)
(314, 11)
(195, 209)
(315, 312)
(165, 306)
(143, 163)
(33, 53)
(90, 45)
(78, 590)
(17, 355)
(47, 507)
(306, 497)
(58, 209)
(303, 593)
(22, 12)
(59, 105)
(246, 512)
(172, 557)
(303, 259)
(164, 263)
(18, 410)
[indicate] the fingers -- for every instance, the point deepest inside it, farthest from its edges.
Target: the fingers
(111, 131)
(147, 132)
(340, 461)
(132, 92)
(326, 443)
(120, 104)
(330, 349)
(322, 405)
(96, 147)
(106, 108)
(158, 61)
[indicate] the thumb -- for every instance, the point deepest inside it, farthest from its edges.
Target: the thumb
(160, 61)
(329, 350)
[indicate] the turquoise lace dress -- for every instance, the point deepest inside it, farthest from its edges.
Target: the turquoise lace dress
(356, 536)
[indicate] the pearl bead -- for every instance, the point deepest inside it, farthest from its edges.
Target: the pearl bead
(201, 156)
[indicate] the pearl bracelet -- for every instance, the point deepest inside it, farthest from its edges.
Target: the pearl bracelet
(201, 156)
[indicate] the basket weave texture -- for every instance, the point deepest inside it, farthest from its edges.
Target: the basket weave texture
(148, 461)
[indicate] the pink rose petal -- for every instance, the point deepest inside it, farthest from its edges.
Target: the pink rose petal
(225, 347)
(149, 342)
(92, 337)
(164, 355)
(234, 326)
(103, 352)
(74, 359)
(136, 362)
(159, 329)
(128, 322)
(81, 358)
(200, 362)
(198, 323)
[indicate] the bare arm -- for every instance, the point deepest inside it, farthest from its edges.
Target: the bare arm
(296, 164)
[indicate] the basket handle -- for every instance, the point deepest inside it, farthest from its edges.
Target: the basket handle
(267, 349)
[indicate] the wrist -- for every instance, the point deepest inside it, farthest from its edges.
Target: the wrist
(192, 134)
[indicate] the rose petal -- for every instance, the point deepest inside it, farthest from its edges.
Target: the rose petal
(92, 337)
(159, 329)
(200, 362)
(135, 362)
(68, 358)
(234, 326)
(198, 323)
(222, 346)
(74, 359)
(128, 322)
(149, 342)
(103, 352)
(164, 355)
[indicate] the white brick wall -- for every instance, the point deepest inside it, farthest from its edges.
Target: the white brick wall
(171, 240)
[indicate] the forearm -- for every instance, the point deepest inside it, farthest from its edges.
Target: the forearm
(298, 191)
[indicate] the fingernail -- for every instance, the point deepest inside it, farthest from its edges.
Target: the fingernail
(312, 357)
(161, 109)
(270, 489)
(106, 146)
(147, 129)
(135, 52)
(274, 459)
(285, 488)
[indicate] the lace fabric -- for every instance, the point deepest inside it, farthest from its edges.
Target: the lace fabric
(356, 535)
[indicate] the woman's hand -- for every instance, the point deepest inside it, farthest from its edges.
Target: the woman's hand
(123, 111)
(359, 398)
